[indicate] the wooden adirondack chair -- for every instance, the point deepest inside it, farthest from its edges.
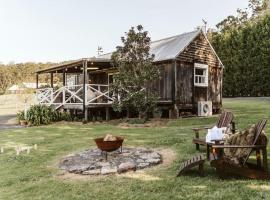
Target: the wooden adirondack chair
(248, 170)
(197, 160)
(224, 120)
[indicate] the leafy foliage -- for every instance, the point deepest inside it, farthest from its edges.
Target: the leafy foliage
(38, 115)
(20, 115)
(243, 46)
(22, 72)
(136, 71)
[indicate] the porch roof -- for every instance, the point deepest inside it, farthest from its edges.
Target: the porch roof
(76, 64)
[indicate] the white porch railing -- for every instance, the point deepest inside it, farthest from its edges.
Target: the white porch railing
(44, 95)
(95, 94)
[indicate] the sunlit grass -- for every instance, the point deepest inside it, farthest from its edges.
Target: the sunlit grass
(35, 176)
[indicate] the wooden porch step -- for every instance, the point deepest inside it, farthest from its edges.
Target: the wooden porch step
(197, 160)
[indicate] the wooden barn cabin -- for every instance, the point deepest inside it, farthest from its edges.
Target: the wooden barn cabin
(191, 73)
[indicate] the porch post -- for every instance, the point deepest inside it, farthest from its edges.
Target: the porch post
(64, 77)
(64, 84)
(84, 91)
(51, 80)
(37, 80)
(107, 114)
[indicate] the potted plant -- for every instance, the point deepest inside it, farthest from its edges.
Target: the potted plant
(21, 118)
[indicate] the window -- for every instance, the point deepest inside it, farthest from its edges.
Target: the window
(200, 75)
(71, 81)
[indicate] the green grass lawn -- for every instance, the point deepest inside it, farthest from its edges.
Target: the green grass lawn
(35, 176)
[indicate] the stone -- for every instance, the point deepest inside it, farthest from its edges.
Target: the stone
(92, 172)
(153, 155)
(143, 165)
(92, 162)
(78, 168)
(153, 161)
(108, 170)
(103, 164)
(139, 160)
(127, 166)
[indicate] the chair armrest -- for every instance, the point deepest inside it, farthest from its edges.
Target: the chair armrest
(199, 129)
(208, 127)
(197, 132)
(218, 142)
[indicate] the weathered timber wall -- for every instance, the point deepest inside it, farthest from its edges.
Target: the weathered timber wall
(184, 84)
(199, 51)
(99, 78)
(163, 86)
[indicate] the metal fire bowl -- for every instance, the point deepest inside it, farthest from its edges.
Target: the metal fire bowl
(109, 146)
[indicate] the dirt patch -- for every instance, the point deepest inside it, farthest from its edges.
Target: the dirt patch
(119, 123)
(259, 187)
(68, 123)
(168, 156)
(150, 124)
(140, 175)
(8, 122)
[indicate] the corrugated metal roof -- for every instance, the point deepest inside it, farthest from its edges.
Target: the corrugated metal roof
(168, 48)
(164, 49)
(71, 62)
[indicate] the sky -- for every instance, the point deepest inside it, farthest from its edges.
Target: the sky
(60, 30)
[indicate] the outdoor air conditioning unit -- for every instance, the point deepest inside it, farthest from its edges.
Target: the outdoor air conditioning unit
(204, 108)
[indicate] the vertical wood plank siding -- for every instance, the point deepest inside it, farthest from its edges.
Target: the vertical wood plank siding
(199, 51)
(163, 86)
(184, 83)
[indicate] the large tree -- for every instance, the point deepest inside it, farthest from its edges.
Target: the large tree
(17, 73)
(136, 72)
(243, 46)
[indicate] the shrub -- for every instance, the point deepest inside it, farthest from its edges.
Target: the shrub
(42, 115)
(20, 115)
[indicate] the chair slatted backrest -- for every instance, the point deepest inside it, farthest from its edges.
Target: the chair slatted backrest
(258, 130)
(225, 119)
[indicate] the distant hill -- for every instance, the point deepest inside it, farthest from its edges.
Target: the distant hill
(11, 74)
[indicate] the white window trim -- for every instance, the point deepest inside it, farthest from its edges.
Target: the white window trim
(201, 66)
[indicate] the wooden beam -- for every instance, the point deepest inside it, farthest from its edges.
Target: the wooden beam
(107, 113)
(51, 80)
(84, 91)
(37, 81)
(64, 77)
(173, 81)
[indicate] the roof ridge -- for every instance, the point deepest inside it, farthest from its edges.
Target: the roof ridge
(185, 33)
(105, 54)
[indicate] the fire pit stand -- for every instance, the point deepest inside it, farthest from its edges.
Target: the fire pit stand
(105, 153)
(109, 146)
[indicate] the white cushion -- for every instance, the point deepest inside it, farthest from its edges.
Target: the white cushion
(215, 134)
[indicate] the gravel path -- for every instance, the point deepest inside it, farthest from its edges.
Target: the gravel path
(8, 122)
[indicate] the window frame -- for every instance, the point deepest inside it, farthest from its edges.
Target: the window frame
(197, 77)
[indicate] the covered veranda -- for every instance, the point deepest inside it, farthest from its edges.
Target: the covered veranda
(85, 84)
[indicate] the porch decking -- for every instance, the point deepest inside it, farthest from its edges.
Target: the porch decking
(73, 97)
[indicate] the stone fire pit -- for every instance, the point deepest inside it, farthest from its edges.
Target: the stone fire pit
(91, 162)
